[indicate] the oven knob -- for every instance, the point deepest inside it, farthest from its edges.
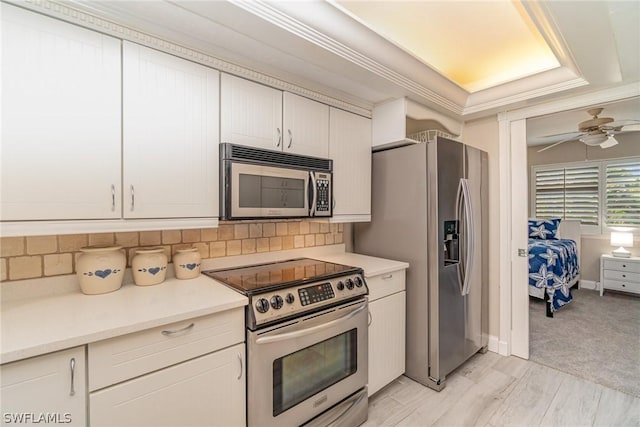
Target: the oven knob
(340, 285)
(290, 298)
(358, 281)
(262, 305)
(349, 284)
(276, 302)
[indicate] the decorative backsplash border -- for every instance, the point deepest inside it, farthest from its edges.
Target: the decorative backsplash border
(44, 256)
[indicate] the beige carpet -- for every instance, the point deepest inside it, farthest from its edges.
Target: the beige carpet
(593, 337)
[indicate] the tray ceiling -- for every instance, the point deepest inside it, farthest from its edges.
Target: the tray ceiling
(318, 46)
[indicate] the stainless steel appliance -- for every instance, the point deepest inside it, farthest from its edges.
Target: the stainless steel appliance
(257, 183)
(306, 342)
(430, 206)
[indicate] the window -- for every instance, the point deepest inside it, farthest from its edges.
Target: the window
(623, 194)
(600, 194)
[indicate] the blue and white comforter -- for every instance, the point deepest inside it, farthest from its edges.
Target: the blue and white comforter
(553, 264)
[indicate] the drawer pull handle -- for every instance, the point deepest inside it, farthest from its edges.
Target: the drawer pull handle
(624, 275)
(241, 368)
(72, 365)
(624, 265)
(624, 286)
(177, 331)
(387, 276)
(370, 319)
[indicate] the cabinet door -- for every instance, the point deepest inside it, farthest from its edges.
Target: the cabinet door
(306, 126)
(170, 147)
(250, 113)
(48, 389)
(350, 149)
(60, 120)
(386, 340)
(207, 391)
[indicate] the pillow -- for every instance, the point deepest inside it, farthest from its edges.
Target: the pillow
(544, 228)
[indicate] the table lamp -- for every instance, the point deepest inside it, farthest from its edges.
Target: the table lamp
(623, 240)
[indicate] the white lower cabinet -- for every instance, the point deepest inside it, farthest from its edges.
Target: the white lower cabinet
(188, 373)
(208, 390)
(387, 307)
(49, 389)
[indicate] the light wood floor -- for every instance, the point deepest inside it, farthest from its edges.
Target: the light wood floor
(493, 390)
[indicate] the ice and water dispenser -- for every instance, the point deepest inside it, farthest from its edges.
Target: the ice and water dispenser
(451, 239)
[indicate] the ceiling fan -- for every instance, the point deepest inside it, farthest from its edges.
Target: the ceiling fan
(595, 131)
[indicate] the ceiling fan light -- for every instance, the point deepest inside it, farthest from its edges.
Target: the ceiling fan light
(594, 139)
(610, 142)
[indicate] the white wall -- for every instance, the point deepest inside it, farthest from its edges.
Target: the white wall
(483, 134)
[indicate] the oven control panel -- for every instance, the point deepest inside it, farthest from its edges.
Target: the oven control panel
(267, 307)
(316, 293)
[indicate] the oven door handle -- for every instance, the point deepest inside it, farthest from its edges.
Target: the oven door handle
(313, 329)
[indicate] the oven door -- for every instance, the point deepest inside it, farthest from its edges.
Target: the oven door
(264, 191)
(299, 369)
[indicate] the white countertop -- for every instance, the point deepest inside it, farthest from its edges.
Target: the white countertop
(44, 315)
(372, 266)
(34, 326)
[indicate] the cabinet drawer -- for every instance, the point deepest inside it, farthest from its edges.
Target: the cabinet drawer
(386, 284)
(206, 391)
(630, 266)
(622, 286)
(622, 276)
(120, 358)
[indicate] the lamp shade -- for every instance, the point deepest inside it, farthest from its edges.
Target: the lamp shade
(622, 240)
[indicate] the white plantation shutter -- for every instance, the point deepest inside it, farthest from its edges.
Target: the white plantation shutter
(623, 194)
(568, 193)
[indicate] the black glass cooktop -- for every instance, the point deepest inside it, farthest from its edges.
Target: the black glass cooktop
(279, 274)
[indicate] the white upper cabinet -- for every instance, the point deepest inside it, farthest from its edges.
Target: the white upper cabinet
(250, 113)
(350, 149)
(259, 116)
(60, 120)
(170, 136)
(306, 126)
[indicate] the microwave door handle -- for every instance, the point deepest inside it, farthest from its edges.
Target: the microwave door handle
(314, 193)
(306, 331)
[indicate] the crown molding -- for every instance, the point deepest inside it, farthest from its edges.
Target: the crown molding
(575, 102)
(63, 11)
(280, 18)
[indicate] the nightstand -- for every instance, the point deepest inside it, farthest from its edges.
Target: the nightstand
(619, 274)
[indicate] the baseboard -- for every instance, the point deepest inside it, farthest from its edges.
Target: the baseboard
(496, 346)
(589, 284)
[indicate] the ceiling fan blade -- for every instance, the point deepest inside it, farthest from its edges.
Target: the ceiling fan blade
(610, 142)
(557, 143)
(576, 133)
(621, 123)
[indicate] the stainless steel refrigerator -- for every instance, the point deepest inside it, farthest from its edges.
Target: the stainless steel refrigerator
(429, 208)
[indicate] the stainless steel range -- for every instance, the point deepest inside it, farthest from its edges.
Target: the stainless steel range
(306, 342)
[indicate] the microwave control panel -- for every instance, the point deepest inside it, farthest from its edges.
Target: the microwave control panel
(323, 194)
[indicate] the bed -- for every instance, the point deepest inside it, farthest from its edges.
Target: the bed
(554, 268)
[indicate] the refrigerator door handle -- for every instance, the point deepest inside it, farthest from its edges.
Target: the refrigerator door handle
(461, 236)
(469, 237)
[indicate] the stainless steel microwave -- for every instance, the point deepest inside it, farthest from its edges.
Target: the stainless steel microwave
(257, 183)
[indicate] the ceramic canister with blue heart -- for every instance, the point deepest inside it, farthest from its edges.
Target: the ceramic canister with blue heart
(100, 269)
(149, 266)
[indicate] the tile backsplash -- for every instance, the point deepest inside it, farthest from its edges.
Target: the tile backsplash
(43, 256)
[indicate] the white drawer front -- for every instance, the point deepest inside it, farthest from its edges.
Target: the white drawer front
(622, 276)
(621, 265)
(128, 356)
(386, 284)
(622, 286)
